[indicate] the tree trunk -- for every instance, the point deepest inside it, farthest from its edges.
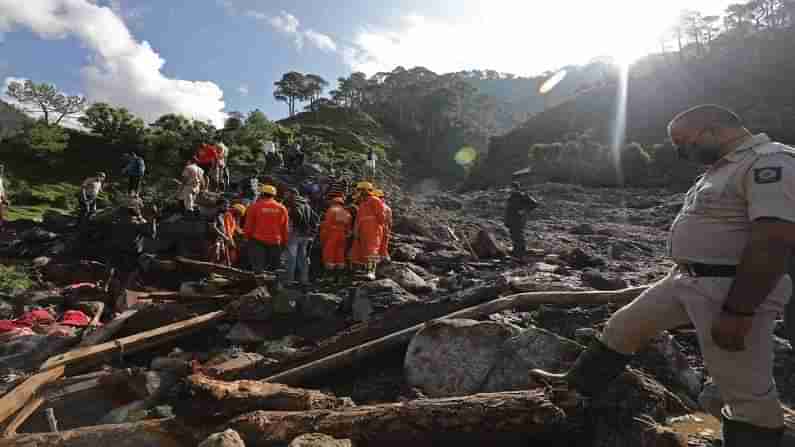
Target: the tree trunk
(480, 416)
(219, 400)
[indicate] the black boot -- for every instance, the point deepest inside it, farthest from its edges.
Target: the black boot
(594, 369)
(743, 434)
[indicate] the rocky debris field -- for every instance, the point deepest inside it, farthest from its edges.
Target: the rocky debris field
(438, 348)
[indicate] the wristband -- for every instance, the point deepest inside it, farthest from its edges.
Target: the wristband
(735, 313)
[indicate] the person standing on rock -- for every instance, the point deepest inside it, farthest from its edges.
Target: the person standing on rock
(89, 191)
(3, 197)
(134, 170)
(368, 230)
(384, 250)
(192, 184)
(517, 208)
(731, 242)
(267, 229)
(334, 232)
(127, 246)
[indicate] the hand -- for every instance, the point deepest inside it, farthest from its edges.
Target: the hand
(729, 331)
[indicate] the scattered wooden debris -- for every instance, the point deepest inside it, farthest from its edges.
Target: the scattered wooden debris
(158, 432)
(23, 393)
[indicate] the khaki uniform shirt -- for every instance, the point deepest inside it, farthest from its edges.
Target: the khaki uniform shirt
(755, 180)
(192, 176)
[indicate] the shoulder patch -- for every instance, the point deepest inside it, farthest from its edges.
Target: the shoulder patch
(767, 175)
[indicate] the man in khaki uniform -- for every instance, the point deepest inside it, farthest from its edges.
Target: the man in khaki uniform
(192, 184)
(731, 242)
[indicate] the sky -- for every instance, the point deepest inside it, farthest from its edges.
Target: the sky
(206, 58)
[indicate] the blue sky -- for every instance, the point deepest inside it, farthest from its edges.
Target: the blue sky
(208, 57)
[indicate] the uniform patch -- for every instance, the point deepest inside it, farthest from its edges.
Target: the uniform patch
(767, 175)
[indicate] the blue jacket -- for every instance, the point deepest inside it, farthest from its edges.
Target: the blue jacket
(135, 168)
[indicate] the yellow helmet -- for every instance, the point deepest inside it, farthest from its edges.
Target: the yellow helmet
(378, 193)
(240, 208)
(366, 186)
(268, 189)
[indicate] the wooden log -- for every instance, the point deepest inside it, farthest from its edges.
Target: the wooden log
(21, 395)
(209, 268)
(520, 301)
(478, 417)
(150, 433)
(81, 358)
(206, 398)
(22, 416)
(105, 333)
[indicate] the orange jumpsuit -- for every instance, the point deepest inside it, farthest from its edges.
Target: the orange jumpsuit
(268, 221)
(384, 251)
(333, 235)
(369, 231)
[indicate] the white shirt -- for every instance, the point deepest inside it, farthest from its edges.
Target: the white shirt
(92, 186)
(2, 189)
(192, 175)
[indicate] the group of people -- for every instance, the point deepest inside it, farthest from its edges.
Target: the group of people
(292, 158)
(353, 232)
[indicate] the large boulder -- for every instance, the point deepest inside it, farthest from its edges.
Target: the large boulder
(377, 296)
(256, 305)
(405, 252)
(533, 348)
(486, 245)
(410, 225)
(405, 277)
(321, 306)
(454, 357)
(602, 281)
(580, 259)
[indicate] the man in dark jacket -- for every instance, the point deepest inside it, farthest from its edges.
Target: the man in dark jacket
(517, 208)
(134, 170)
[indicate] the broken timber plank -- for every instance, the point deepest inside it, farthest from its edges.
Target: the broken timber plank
(90, 355)
(209, 267)
(106, 332)
(19, 396)
(520, 301)
(22, 416)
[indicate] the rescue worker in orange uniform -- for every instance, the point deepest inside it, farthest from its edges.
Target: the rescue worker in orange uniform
(267, 228)
(334, 231)
(368, 231)
(384, 251)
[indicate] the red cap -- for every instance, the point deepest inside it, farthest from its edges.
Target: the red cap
(38, 316)
(75, 318)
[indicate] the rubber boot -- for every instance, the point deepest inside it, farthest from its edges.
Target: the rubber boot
(743, 434)
(594, 369)
(371, 267)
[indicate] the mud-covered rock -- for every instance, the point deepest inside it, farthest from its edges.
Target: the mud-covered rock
(454, 357)
(533, 348)
(319, 440)
(602, 281)
(580, 259)
(405, 252)
(410, 225)
(376, 296)
(486, 246)
(321, 306)
(405, 277)
(226, 438)
(256, 305)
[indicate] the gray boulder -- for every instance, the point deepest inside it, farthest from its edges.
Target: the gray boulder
(242, 333)
(405, 277)
(321, 306)
(319, 440)
(377, 296)
(256, 305)
(227, 438)
(454, 357)
(405, 252)
(601, 281)
(486, 245)
(533, 348)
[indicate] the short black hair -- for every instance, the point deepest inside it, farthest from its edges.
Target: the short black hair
(707, 116)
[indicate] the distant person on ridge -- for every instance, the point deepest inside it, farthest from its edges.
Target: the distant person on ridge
(134, 170)
(192, 184)
(87, 199)
(517, 208)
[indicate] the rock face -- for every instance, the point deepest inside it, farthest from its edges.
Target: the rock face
(319, 440)
(533, 348)
(486, 246)
(455, 357)
(227, 438)
(377, 296)
(600, 281)
(405, 277)
(405, 252)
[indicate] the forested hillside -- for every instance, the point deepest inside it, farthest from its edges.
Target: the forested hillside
(748, 66)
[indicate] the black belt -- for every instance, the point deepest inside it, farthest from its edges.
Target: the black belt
(696, 269)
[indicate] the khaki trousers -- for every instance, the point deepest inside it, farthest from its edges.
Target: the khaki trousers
(745, 379)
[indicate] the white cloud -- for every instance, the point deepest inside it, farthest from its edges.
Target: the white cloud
(524, 38)
(243, 90)
(122, 71)
(284, 22)
(321, 41)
